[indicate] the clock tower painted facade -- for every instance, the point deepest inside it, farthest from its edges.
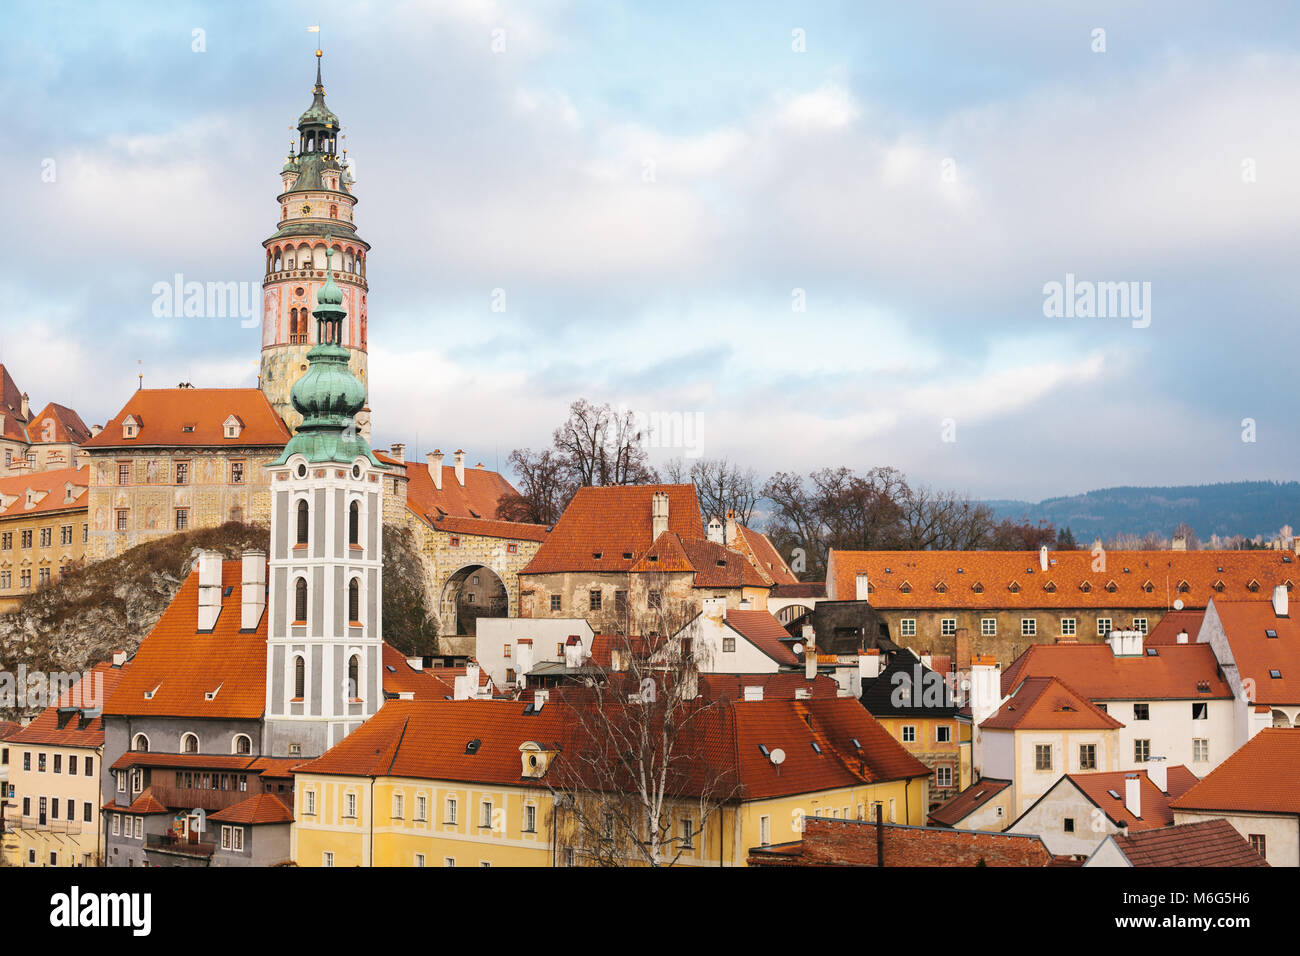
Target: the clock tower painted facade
(316, 218)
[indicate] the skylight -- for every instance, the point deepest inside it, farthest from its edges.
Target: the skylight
(473, 745)
(1274, 673)
(1113, 794)
(1269, 632)
(762, 748)
(816, 746)
(1152, 652)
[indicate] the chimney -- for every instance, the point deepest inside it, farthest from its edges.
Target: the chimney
(209, 589)
(26, 408)
(460, 467)
(1133, 794)
(809, 654)
(658, 515)
(406, 695)
(573, 652)
(1158, 773)
(1125, 643)
(863, 588)
(415, 663)
(731, 529)
(1280, 600)
(746, 604)
(1182, 636)
(927, 661)
(985, 688)
(1179, 543)
(715, 609)
(252, 592)
(523, 660)
(399, 451)
(1042, 558)
(96, 429)
(466, 686)
(869, 662)
(754, 692)
(435, 468)
(119, 658)
(714, 532)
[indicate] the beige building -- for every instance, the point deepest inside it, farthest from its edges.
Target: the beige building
(180, 458)
(43, 529)
(47, 440)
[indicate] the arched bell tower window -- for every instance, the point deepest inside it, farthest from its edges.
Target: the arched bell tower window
(299, 678)
(354, 600)
(354, 523)
(302, 522)
(300, 600)
(354, 676)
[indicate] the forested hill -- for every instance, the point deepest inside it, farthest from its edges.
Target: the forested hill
(1246, 508)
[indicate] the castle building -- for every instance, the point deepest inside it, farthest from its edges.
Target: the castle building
(316, 218)
(44, 441)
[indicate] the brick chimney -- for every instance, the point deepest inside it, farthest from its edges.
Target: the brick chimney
(460, 467)
(253, 589)
(435, 467)
(398, 451)
(731, 529)
(658, 515)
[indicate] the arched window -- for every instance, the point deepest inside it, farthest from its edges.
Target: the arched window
(241, 744)
(354, 600)
(140, 744)
(354, 523)
(189, 744)
(302, 521)
(300, 600)
(299, 678)
(334, 210)
(354, 675)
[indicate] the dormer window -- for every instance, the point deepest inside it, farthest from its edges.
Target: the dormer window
(905, 587)
(978, 587)
(1050, 587)
(1183, 587)
(130, 426)
(1085, 587)
(1014, 587)
(188, 429)
(941, 587)
(232, 426)
(1112, 587)
(1253, 585)
(1148, 587)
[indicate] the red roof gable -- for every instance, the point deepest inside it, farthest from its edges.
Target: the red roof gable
(1046, 703)
(65, 425)
(195, 417)
(76, 730)
(1154, 803)
(765, 632)
(477, 498)
(52, 487)
(759, 547)
(1263, 776)
(262, 808)
(1246, 623)
(1176, 672)
(1206, 843)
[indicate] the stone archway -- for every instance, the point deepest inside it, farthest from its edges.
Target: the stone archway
(791, 612)
(473, 591)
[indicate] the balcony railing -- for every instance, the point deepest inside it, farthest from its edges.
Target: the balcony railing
(170, 841)
(190, 798)
(49, 826)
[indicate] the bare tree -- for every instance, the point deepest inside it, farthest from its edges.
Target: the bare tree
(602, 445)
(722, 486)
(544, 488)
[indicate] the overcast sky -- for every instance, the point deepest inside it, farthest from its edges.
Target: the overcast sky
(651, 183)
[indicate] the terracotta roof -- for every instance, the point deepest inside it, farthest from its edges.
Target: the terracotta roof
(8, 728)
(614, 521)
(967, 802)
(52, 489)
(1046, 703)
(262, 808)
(194, 417)
(1176, 672)
(983, 579)
(1263, 776)
(428, 683)
(1166, 632)
(1206, 843)
(477, 498)
(782, 685)
(763, 631)
(270, 766)
(1097, 788)
(1246, 623)
(11, 406)
(717, 566)
(759, 549)
(854, 843)
(65, 426)
(80, 724)
(144, 804)
(177, 665)
(490, 528)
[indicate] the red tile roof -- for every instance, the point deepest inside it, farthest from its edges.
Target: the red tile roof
(759, 549)
(477, 498)
(717, 566)
(780, 686)
(1166, 632)
(1154, 802)
(614, 521)
(262, 808)
(8, 728)
(11, 407)
(489, 528)
(1206, 843)
(765, 632)
(1245, 624)
(1263, 776)
(967, 802)
(144, 804)
(65, 426)
(165, 414)
(77, 730)
(270, 766)
(985, 578)
(1177, 672)
(428, 683)
(1046, 703)
(854, 843)
(51, 487)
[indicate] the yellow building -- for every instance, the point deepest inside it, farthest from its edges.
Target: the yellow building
(55, 768)
(470, 783)
(43, 529)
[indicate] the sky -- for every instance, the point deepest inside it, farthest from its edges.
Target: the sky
(795, 235)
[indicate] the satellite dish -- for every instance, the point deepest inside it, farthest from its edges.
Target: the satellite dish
(798, 649)
(1178, 605)
(778, 756)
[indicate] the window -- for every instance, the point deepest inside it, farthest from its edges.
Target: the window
(354, 600)
(43, 576)
(124, 474)
(1042, 756)
(40, 763)
(90, 766)
(350, 806)
(58, 763)
(354, 676)
(7, 541)
(1087, 756)
(688, 833)
(47, 537)
(909, 734)
(1068, 625)
(449, 861)
(1141, 711)
(593, 599)
(1200, 749)
(421, 808)
(299, 678)
(1200, 709)
(117, 824)
(72, 763)
(122, 519)
(65, 534)
(225, 838)
(485, 815)
(27, 539)
(455, 541)
(948, 626)
(419, 859)
(121, 781)
(1140, 625)
(303, 515)
(765, 830)
(182, 518)
(1028, 627)
(654, 599)
(310, 808)
(238, 841)
(182, 472)
(25, 579)
(1069, 824)
(530, 818)
(989, 626)
(943, 734)
(943, 776)
(907, 627)
(399, 807)
(241, 744)
(1141, 750)
(237, 472)
(139, 828)
(555, 602)
(1258, 844)
(728, 645)
(450, 815)
(327, 858)
(1103, 626)
(300, 601)
(354, 523)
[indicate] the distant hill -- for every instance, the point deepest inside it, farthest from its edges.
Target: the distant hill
(1229, 508)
